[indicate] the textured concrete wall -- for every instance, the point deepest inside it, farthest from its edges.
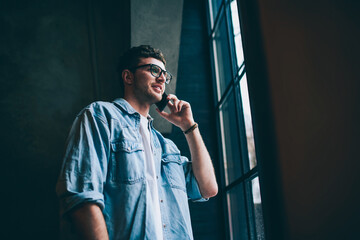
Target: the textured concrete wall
(158, 23)
(195, 86)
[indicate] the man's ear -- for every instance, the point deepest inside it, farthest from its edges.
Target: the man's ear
(127, 76)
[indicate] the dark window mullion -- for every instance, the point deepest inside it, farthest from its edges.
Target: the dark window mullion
(249, 175)
(230, 90)
(213, 72)
(224, 96)
(222, 193)
(250, 208)
(208, 19)
(239, 115)
(222, 189)
(242, 128)
(217, 19)
(241, 73)
(245, 181)
(230, 34)
(222, 55)
(230, 98)
(245, 160)
(237, 73)
(245, 163)
(231, 84)
(223, 10)
(241, 70)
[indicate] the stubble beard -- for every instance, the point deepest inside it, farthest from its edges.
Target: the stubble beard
(147, 94)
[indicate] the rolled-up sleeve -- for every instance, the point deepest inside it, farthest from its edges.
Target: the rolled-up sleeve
(84, 170)
(192, 186)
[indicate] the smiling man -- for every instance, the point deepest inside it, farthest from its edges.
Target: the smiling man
(120, 178)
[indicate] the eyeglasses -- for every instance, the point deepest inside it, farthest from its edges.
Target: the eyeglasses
(156, 71)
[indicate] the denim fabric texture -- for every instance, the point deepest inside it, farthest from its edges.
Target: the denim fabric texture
(104, 164)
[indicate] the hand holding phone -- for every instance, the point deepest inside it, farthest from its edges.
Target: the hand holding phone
(162, 104)
(180, 111)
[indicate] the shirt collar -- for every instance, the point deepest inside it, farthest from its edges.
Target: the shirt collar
(122, 103)
(128, 108)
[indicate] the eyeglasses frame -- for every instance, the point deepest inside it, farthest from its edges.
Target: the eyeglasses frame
(167, 81)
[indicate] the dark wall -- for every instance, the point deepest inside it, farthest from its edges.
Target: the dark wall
(312, 52)
(55, 58)
(195, 86)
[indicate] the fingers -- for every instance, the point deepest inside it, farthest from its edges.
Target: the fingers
(180, 112)
(180, 105)
(175, 104)
(163, 114)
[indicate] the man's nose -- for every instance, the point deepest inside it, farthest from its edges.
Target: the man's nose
(162, 77)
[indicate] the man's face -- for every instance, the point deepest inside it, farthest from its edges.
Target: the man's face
(148, 88)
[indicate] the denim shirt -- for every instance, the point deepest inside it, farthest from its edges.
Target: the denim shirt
(104, 164)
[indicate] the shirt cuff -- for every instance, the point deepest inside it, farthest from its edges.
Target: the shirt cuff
(194, 191)
(69, 202)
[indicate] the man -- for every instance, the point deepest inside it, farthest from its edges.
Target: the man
(121, 179)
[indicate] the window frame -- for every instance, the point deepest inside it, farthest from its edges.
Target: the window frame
(233, 87)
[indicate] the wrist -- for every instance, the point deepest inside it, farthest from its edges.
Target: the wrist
(191, 129)
(187, 125)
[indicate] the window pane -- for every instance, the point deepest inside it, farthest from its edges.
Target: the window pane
(215, 7)
(248, 121)
(258, 209)
(237, 33)
(237, 214)
(222, 57)
(230, 140)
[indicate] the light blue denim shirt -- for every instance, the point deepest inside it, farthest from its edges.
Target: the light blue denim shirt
(104, 163)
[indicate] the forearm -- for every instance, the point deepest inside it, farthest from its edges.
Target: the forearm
(201, 164)
(181, 116)
(89, 222)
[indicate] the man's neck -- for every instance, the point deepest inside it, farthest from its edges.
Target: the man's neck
(142, 108)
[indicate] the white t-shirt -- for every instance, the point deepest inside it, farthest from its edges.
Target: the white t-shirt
(152, 188)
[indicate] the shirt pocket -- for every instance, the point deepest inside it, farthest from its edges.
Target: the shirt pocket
(127, 165)
(173, 169)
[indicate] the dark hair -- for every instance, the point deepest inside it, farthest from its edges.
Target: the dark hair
(132, 56)
(130, 59)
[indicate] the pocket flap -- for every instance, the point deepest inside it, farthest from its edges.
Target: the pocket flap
(175, 158)
(126, 146)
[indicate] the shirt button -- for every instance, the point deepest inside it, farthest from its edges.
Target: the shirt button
(161, 200)
(164, 226)
(157, 177)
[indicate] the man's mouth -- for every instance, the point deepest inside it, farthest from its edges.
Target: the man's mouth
(157, 88)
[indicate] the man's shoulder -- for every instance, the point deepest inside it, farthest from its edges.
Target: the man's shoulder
(101, 106)
(101, 109)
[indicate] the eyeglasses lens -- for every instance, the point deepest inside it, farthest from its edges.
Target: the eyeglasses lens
(156, 72)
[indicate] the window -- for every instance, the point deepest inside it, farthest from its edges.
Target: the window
(240, 179)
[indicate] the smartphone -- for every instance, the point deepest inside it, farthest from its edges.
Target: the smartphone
(162, 104)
